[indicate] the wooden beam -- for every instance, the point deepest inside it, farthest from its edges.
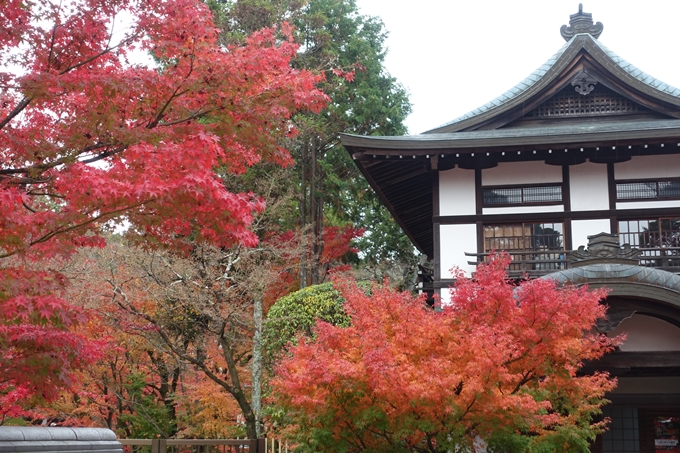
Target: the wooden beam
(647, 359)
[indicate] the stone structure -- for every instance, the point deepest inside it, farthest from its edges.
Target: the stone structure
(38, 439)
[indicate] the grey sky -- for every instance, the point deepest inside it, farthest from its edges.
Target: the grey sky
(454, 56)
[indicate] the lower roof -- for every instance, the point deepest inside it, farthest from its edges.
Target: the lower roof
(569, 134)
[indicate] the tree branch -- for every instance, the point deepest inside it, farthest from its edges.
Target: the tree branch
(54, 233)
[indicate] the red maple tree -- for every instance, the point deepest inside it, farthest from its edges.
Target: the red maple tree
(88, 140)
(499, 367)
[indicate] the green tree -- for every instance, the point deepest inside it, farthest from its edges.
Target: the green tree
(297, 313)
(148, 417)
(348, 48)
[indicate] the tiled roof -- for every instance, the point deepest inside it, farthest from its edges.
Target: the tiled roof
(514, 91)
(642, 76)
(555, 134)
(527, 83)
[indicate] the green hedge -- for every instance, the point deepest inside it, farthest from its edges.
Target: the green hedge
(297, 313)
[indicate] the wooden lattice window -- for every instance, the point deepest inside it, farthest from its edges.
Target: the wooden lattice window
(522, 195)
(600, 101)
(532, 246)
(648, 190)
(524, 237)
(659, 239)
(623, 435)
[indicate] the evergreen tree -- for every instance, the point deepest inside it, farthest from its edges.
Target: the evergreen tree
(348, 48)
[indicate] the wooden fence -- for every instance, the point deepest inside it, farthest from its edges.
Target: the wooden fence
(203, 446)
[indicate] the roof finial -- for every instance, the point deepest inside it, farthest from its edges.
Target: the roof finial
(581, 23)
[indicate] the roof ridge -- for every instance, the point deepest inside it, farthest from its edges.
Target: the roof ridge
(513, 92)
(534, 77)
(638, 73)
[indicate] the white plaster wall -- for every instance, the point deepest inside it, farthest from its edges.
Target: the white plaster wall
(522, 209)
(581, 229)
(534, 172)
(454, 241)
(648, 204)
(588, 186)
(646, 333)
(444, 296)
(457, 192)
(649, 167)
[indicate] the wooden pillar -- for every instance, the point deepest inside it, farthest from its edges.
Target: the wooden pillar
(159, 445)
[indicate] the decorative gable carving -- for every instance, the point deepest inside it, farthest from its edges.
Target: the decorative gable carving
(598, 100)
(584, 83)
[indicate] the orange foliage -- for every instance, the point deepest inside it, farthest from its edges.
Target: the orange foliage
(497, 365)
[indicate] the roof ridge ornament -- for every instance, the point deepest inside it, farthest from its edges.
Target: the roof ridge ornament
(581, 23)
(604, 248)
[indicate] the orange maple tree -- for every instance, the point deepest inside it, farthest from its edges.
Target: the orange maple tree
(497, 368)
(88, 139)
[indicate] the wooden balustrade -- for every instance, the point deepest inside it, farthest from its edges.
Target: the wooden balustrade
(535, 263)
(203, 446)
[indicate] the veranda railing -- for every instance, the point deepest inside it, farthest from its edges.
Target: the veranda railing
(535, 263)
(203, 446)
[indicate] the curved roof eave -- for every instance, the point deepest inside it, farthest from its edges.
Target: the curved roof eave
(624, 280)
(568, 134)
(550, 69)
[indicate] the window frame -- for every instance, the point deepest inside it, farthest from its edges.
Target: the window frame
(522, 187)
(656, 182)
(660, 255)
(541, 258)
(523, 225)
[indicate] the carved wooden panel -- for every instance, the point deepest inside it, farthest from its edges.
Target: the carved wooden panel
(570, 103)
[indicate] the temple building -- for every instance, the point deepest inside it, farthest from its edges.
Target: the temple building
(575, 172)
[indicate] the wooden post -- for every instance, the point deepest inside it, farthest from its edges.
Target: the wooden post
(257, 445)
(159, 446)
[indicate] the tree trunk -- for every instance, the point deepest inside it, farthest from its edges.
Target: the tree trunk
(237, 390)
(256, 398)
(165, 389)
(319, 271)
(313, 211)
(316, 214)
(303, 215)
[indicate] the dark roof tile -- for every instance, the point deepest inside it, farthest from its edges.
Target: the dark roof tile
(616, 62)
